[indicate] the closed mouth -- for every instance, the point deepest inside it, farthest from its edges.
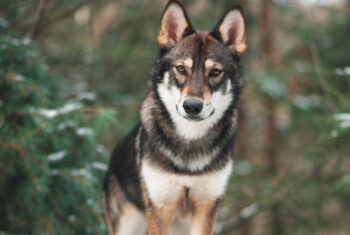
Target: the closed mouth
(194, 118)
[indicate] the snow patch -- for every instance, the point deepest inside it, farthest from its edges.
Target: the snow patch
(24, 41)
(81, 172)
(307, 102)
(102, 150)
(84, 131)
(19, 78)
(334, 134)
(54, 157)
(87, 96)
(72, 218)
(74, 172)
(342, 72)
(344, 119)
(51, 113)
(66, 124)
(55, 172)
(249, 210)
(99, 166)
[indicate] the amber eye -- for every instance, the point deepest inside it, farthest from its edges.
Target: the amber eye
(215, 72)
(181, 69)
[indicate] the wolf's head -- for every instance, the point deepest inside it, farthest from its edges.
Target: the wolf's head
(197, 75)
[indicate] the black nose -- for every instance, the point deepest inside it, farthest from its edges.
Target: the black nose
(193, 106)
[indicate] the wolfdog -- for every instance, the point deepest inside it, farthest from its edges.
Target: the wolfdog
(168, 174)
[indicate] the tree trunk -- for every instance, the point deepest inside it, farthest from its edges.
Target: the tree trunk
(267, 36)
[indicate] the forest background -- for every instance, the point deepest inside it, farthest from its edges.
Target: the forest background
(73, 74)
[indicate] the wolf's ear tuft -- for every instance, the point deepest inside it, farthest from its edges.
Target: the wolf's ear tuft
(231, 30)
(175, 25)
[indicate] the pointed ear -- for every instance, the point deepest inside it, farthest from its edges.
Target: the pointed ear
(175, 25)
(231, 30)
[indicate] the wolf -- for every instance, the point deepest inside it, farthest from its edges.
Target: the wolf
(168, 174)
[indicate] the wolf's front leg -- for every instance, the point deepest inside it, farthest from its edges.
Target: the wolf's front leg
(159, 219)
(204, 214)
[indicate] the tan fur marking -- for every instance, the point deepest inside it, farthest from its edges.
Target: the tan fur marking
(106, 216)
(204, 215)
(185, 90)
(206, 95)
(209, 66)
(161, 40)
(159, 219)
(161, 35)
(187, 63)
(241, 47)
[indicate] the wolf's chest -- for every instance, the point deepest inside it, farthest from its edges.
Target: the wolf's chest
(164, 187)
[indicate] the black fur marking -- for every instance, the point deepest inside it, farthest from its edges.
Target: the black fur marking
(123, 167)
(214, 209)
(187, 192)
(143, 138)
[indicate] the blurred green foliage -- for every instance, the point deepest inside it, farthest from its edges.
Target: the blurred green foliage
(51, 163)
(64, 64)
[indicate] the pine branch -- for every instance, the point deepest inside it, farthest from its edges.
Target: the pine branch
(21, 152)
(32, 133)
(63, 219)
(23, 85)
(92, 212)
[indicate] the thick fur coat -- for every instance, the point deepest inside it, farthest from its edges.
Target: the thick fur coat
(168, 174)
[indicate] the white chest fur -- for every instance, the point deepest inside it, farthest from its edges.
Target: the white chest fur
(164, 187)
